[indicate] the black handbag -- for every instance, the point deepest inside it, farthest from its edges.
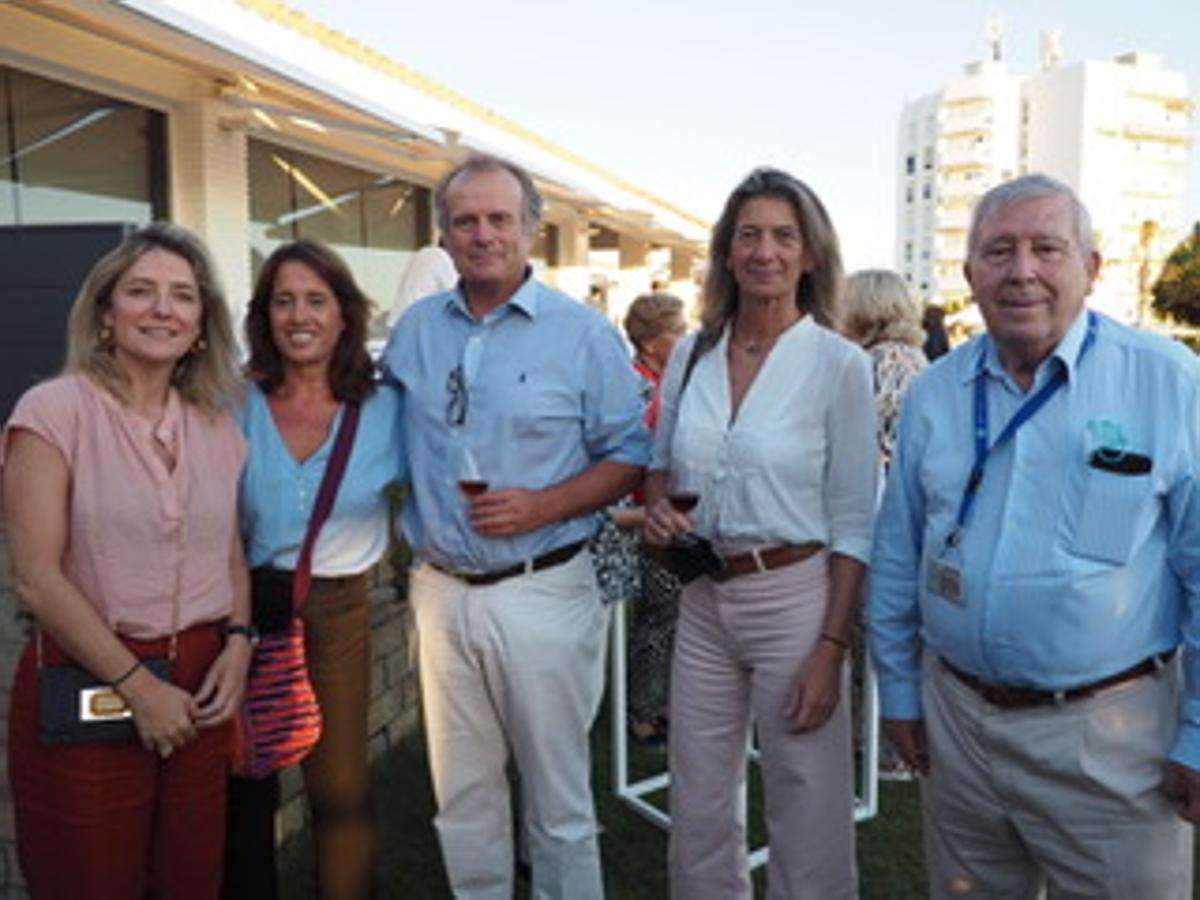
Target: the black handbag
(75, 707)
(690, 556)
(271, 608)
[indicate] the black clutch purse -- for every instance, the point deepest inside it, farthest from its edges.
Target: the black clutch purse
(689, 556)
(271, 608)
(74, 707)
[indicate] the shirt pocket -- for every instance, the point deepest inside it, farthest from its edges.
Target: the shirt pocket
(545, 405)
(1111, 510)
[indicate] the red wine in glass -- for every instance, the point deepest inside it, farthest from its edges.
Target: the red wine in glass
(683, 501)
(472, 487)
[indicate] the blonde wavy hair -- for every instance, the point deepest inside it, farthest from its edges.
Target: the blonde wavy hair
(876, 307)
(208, 375)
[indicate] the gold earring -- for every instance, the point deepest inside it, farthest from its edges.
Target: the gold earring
(200, 346)
(104, 337)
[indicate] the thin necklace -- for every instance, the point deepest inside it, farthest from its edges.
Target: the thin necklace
(758, 345)
(754, 348)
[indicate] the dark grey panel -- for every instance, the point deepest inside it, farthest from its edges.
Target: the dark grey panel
(41, 269)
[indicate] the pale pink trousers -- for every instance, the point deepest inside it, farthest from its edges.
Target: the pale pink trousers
(738, 650)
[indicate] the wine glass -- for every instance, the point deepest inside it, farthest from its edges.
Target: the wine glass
(470, 481)
(682, 496)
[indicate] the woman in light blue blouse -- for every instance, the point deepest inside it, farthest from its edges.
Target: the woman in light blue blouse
(306, 328)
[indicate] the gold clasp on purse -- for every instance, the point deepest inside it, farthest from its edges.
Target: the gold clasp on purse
(102, 704)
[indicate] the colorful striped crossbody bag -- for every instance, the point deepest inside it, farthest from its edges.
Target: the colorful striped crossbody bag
(280, 719)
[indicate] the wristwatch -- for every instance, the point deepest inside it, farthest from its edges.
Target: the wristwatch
(249, 632)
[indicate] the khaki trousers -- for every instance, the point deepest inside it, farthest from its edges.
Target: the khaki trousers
(1058, 801)
(738, 650)
(518, 664)
(337, 778)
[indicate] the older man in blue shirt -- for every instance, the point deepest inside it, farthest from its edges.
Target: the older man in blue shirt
(522, 416)
(1036, 568)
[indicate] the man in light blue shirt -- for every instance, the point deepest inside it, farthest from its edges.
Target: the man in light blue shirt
(522, 417)
(1036, 568)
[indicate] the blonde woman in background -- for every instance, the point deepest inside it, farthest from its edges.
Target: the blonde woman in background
(880, 316)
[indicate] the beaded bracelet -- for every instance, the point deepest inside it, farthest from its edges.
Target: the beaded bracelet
(137, 665)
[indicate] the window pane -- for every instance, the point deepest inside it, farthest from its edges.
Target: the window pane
(270, 201)
(79, 156)
(328, 199)
(395, 214)
(8, 189)
(375, 222)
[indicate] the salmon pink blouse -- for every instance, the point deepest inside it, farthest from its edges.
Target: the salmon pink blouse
(137, 527)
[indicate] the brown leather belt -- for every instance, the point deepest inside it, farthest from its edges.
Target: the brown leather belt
(1007, 696)
(766, 560)
(545, 561)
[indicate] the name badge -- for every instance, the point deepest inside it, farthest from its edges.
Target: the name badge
(944, 579)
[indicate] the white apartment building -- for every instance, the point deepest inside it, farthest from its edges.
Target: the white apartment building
(1115, 130)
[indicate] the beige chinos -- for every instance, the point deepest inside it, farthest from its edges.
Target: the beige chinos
(522, 661)
(1066, 795)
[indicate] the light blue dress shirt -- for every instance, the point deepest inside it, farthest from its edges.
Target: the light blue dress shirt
(546, 391)
(1071, 573)
(278, 492)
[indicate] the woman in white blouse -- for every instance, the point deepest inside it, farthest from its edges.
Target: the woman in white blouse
(768, 416)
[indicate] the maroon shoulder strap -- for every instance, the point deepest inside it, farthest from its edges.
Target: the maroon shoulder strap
(326, 494)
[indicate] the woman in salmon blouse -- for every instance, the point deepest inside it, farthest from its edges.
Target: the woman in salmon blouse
(120, 495)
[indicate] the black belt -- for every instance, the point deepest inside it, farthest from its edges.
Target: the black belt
(1007, 696)
(545, 561)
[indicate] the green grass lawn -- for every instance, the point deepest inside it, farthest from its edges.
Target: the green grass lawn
(634, 850)
(889, 846)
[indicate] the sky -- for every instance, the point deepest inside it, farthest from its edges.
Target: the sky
(684, 97)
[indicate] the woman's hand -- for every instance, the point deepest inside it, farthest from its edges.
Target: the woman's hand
(162, 712)
(220, 694)
(663, 522)
(818, 688)
(628, 518)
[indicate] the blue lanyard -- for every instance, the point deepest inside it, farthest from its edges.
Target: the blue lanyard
(1027, 411)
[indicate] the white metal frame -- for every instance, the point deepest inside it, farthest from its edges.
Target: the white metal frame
(634, 794)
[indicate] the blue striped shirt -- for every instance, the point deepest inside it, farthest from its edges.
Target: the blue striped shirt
(1071, 573)
(546, 391)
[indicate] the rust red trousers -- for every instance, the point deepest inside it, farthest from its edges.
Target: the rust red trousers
(114, 821)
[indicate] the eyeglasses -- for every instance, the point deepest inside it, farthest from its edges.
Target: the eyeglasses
(456, 403)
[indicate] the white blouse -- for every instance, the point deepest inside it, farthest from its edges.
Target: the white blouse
(799, 463)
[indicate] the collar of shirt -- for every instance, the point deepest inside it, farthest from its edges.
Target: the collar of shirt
(1067, 352)
(524, 299)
